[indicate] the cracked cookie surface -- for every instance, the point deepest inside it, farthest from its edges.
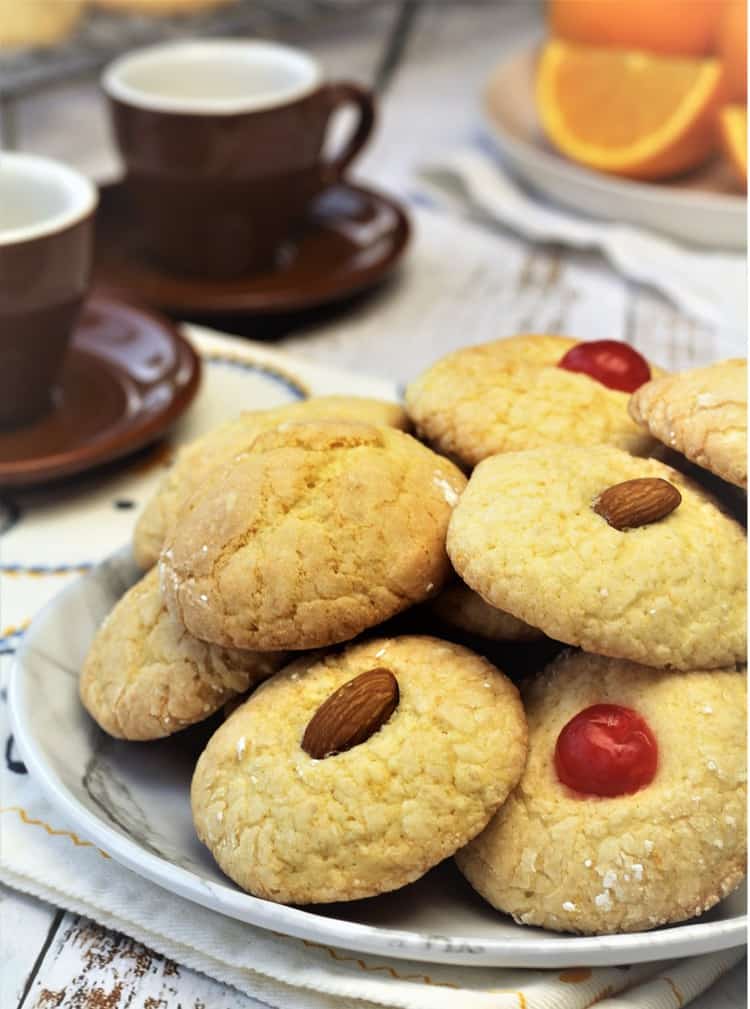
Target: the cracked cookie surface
(197, 461)
(510, 395)
(669, 594)
(668, 852)
(701, 413)
(293, 829)
(145, 677)
(319, 532)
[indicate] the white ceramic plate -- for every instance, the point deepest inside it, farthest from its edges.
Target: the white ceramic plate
(702, 208)
(132, 800)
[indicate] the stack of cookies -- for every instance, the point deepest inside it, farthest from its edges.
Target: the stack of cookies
(530, 507)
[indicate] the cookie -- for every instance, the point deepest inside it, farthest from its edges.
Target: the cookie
(672, 593)
(37, 22)
(511, 395)
(319, 532)
(145, 677)
(200, 458)
(665, 850)
(425, 778)
(159, 8)
(460, 607)
(702, 414)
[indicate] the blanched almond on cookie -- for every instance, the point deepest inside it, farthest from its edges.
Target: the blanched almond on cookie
(352, 714)
(637, 502)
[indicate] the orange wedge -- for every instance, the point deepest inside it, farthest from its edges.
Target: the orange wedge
(733, 127)
(628, 113)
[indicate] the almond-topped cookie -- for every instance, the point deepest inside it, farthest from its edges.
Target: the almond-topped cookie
(197, 461)
(529, 391)
(318, 532)
(631, 811)
(353, 773)
(621, 556)
(145, 677)
(702, 414)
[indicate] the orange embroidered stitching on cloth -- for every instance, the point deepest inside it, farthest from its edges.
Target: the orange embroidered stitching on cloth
(389, 970)
(40, 571)
(52, 831)
(13, 629)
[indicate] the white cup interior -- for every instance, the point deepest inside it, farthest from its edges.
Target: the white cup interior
(211, 77)
(39, 197)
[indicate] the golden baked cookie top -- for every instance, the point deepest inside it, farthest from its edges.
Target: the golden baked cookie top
(145, 677)
(320, 531)
(510, 395)
(37, 22)
(702, 414)
(584, 862)
(292, 828)
(196, 461)
(527, 536)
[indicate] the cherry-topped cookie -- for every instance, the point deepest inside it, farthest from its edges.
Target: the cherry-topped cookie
(631, 810)
(606, 750)
(527, 392)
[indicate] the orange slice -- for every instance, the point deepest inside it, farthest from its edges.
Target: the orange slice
(626, 112)
(733, 126)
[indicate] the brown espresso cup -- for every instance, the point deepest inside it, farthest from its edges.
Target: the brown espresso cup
(223, 142)
(46, 239)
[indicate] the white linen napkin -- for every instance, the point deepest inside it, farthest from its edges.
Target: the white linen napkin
(709, 286)
(42, 855)
(50, 537)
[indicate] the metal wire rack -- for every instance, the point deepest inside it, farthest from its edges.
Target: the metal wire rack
(104, 34)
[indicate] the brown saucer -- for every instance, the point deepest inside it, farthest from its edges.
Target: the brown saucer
(352, 238)
(128, 375)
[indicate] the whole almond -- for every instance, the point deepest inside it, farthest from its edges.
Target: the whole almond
(637, 502)
(352, 713)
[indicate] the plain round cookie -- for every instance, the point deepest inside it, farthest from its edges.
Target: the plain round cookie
(668, 852)
(461, 607)
(160, 8)
(195, 462)
(145, 677)
(670, 594)
(702, 414)
(293, 829)
(321, 531)
(510, 395)
(37, 22)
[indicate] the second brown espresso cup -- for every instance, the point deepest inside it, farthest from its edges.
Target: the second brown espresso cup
(46, 244)
(223, 142)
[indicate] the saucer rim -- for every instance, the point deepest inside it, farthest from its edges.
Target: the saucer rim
(111, 445)
(252, 302)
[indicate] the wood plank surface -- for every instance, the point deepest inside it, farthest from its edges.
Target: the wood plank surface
(25, 926)
(89, 967)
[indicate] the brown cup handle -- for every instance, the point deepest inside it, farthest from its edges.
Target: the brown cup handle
(348, 93)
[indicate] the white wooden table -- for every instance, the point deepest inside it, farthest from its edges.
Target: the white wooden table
(52, 959)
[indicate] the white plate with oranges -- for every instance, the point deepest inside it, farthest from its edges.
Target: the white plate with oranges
(631, 133)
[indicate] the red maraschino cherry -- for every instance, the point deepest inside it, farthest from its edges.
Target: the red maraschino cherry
(606, 750)
(614, 364)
